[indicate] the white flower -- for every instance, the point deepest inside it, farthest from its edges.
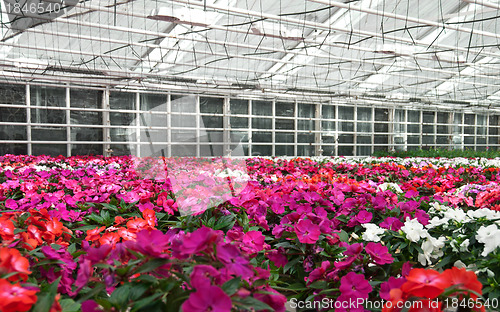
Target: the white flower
(456, 214)
(392, 186)
(464, 245)
(436, 221)
(432, 249)
(459, 264)
(372, 232)
(489, 237)
(414, 230)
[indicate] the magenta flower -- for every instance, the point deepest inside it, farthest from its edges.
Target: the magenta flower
(234, 261)
(211, 298)
(355, 286)
(385, 288)
(253, 241)
(348, 304)
(200, 240)
(318, 273)
(379, 253)
(202, 276)
(151, 243)
(392, 223)
(276, 300)
(278, 257)
(364, 216)
(11, 204)
(307, 232)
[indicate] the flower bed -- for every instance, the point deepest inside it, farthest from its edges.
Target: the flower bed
(127, 234)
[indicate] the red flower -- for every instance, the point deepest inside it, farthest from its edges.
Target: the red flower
(12, 261)
(307, 232)
(425, 283)
(110, 239)
(14, 298)
(465, 280)
(6, 229)
(93, 235)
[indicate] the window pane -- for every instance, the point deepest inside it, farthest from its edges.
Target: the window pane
(49, 149)
(262, 108)
(48, 134)
(183, 103)
(305, 125)
(211, 122)
(284, 124)
(263, 137)
(428, 117)
(306, 110)
(413, 116)
(12, 114)
(239, 122)
(122, 100)
(86, 149)
(211, 105)
(285, 109)
(328, 112)
(443, 118)
(364, 127)
(381, 114)
(262, 150)
(10, 133)
(122, 119)
(86, 134)
(157, 102)
(238, 107)
(184, 121)
(364, 113)
(284, 137)
(262, 123)
(85, 98)
(48, 97)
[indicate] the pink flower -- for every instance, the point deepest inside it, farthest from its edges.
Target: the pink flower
(379, 253)
(307, 232)
(253, 241)
(355, 286)
(211, 298)
(11, 204)
(364, 216)
(385, 288)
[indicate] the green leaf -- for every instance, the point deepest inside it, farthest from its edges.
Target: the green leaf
(230, 287)
(343, 236)
(225, 222)
(119, 297)
(151, 265)
(290, 264)
(251, 302)
(46, 297)
(144, 302)
(92, 293)
(319, 285)
(137, 290)
(69, 305)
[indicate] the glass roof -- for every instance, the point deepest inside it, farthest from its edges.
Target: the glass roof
(425, 50)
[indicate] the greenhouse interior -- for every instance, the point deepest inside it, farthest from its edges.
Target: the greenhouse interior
(250, 155)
